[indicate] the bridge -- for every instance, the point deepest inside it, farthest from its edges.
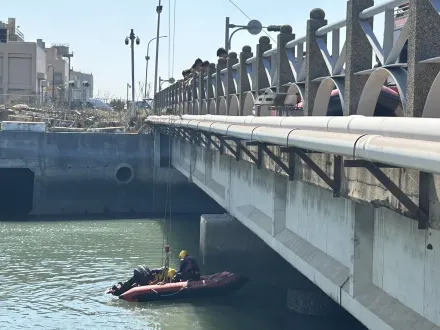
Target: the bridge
(329, 158)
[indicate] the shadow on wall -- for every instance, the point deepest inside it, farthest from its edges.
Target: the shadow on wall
(16, 192)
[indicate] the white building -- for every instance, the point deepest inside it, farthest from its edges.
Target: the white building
(22, 71)
(81, 92)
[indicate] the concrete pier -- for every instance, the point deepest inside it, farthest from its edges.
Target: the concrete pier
(225, 240)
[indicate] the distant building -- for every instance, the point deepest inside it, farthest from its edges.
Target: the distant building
(9, 31)
(80, 91)
(22, 70)
(58, 78)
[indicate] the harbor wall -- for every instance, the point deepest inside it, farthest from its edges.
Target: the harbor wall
(92, 173)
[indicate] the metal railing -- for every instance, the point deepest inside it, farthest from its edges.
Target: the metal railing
(309, 73)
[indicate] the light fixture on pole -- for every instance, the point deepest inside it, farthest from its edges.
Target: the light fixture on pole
(169, 80)
(50, 66)
(254, 27)
(147, 58)
(131, 40)
(128, 87)
(69, 97)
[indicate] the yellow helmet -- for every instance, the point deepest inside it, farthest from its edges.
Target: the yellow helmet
(183, 254)
(171, 273)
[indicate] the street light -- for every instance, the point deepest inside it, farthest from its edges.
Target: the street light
(158, 11)
(147, 58)
(128, 87)
(254, 27)
(50, 66)
(169, 80)
(132, 39)
(69, 98)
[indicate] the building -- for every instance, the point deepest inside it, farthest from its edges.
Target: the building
(22, 71)
(81, 86)
(57, 70)
(9, 32)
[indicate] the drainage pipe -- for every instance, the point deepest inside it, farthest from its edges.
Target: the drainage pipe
(407, 153)
(398, 127)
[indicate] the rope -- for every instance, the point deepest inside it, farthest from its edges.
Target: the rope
(169, 295)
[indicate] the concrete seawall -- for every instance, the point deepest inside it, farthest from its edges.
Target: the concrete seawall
(88, 173)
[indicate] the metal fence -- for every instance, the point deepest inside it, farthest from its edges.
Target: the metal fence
(312, 76)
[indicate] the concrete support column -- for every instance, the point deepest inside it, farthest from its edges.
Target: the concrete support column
(315, 64)
(224, 237)
(243, 78)
(229, 81)
(284, 73)
(423, 43)
(361, 269)
(357, 55)
(161, 149)
(261, 81)
(219, 91)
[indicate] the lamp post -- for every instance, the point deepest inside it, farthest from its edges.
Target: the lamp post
(158, 11)
(147, 58)
(161, 81)
(50, 66)
(130, 40)
(128, 87)
(254, 27)
(69, 98)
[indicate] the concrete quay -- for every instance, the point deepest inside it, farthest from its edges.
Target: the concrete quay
(44, 173)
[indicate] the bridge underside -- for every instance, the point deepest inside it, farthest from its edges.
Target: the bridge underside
(372, 261)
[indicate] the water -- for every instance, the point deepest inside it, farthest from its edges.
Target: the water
(53, 275)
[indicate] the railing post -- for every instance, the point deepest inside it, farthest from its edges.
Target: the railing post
(423, 43)
(283, 73)
(261, 80)
(358, 52)
(315, 64)
(243, 78)
(185, 96)
(194, 95)
(209, 86)
(219, 92)
(229, 81)
(179, 96)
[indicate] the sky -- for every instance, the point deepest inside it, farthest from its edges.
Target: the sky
(95, 30)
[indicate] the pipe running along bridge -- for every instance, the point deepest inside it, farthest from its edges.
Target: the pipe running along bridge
(330, 158)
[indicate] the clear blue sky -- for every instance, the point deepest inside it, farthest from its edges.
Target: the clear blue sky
(95, 31)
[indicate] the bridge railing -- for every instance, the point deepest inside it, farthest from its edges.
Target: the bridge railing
(308, 76)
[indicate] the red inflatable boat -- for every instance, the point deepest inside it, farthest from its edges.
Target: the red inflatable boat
(208, 286)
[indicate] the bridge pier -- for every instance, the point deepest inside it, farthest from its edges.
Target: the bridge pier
(225, 240)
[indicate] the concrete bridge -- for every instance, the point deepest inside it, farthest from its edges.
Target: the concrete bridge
(349, 199)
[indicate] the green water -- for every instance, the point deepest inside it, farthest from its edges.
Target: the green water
(53, 275)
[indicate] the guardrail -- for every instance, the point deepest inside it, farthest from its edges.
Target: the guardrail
(309, 74)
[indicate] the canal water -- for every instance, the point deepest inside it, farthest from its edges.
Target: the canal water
(53, 275)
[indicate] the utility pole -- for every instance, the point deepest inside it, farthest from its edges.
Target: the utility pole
(158, 10)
